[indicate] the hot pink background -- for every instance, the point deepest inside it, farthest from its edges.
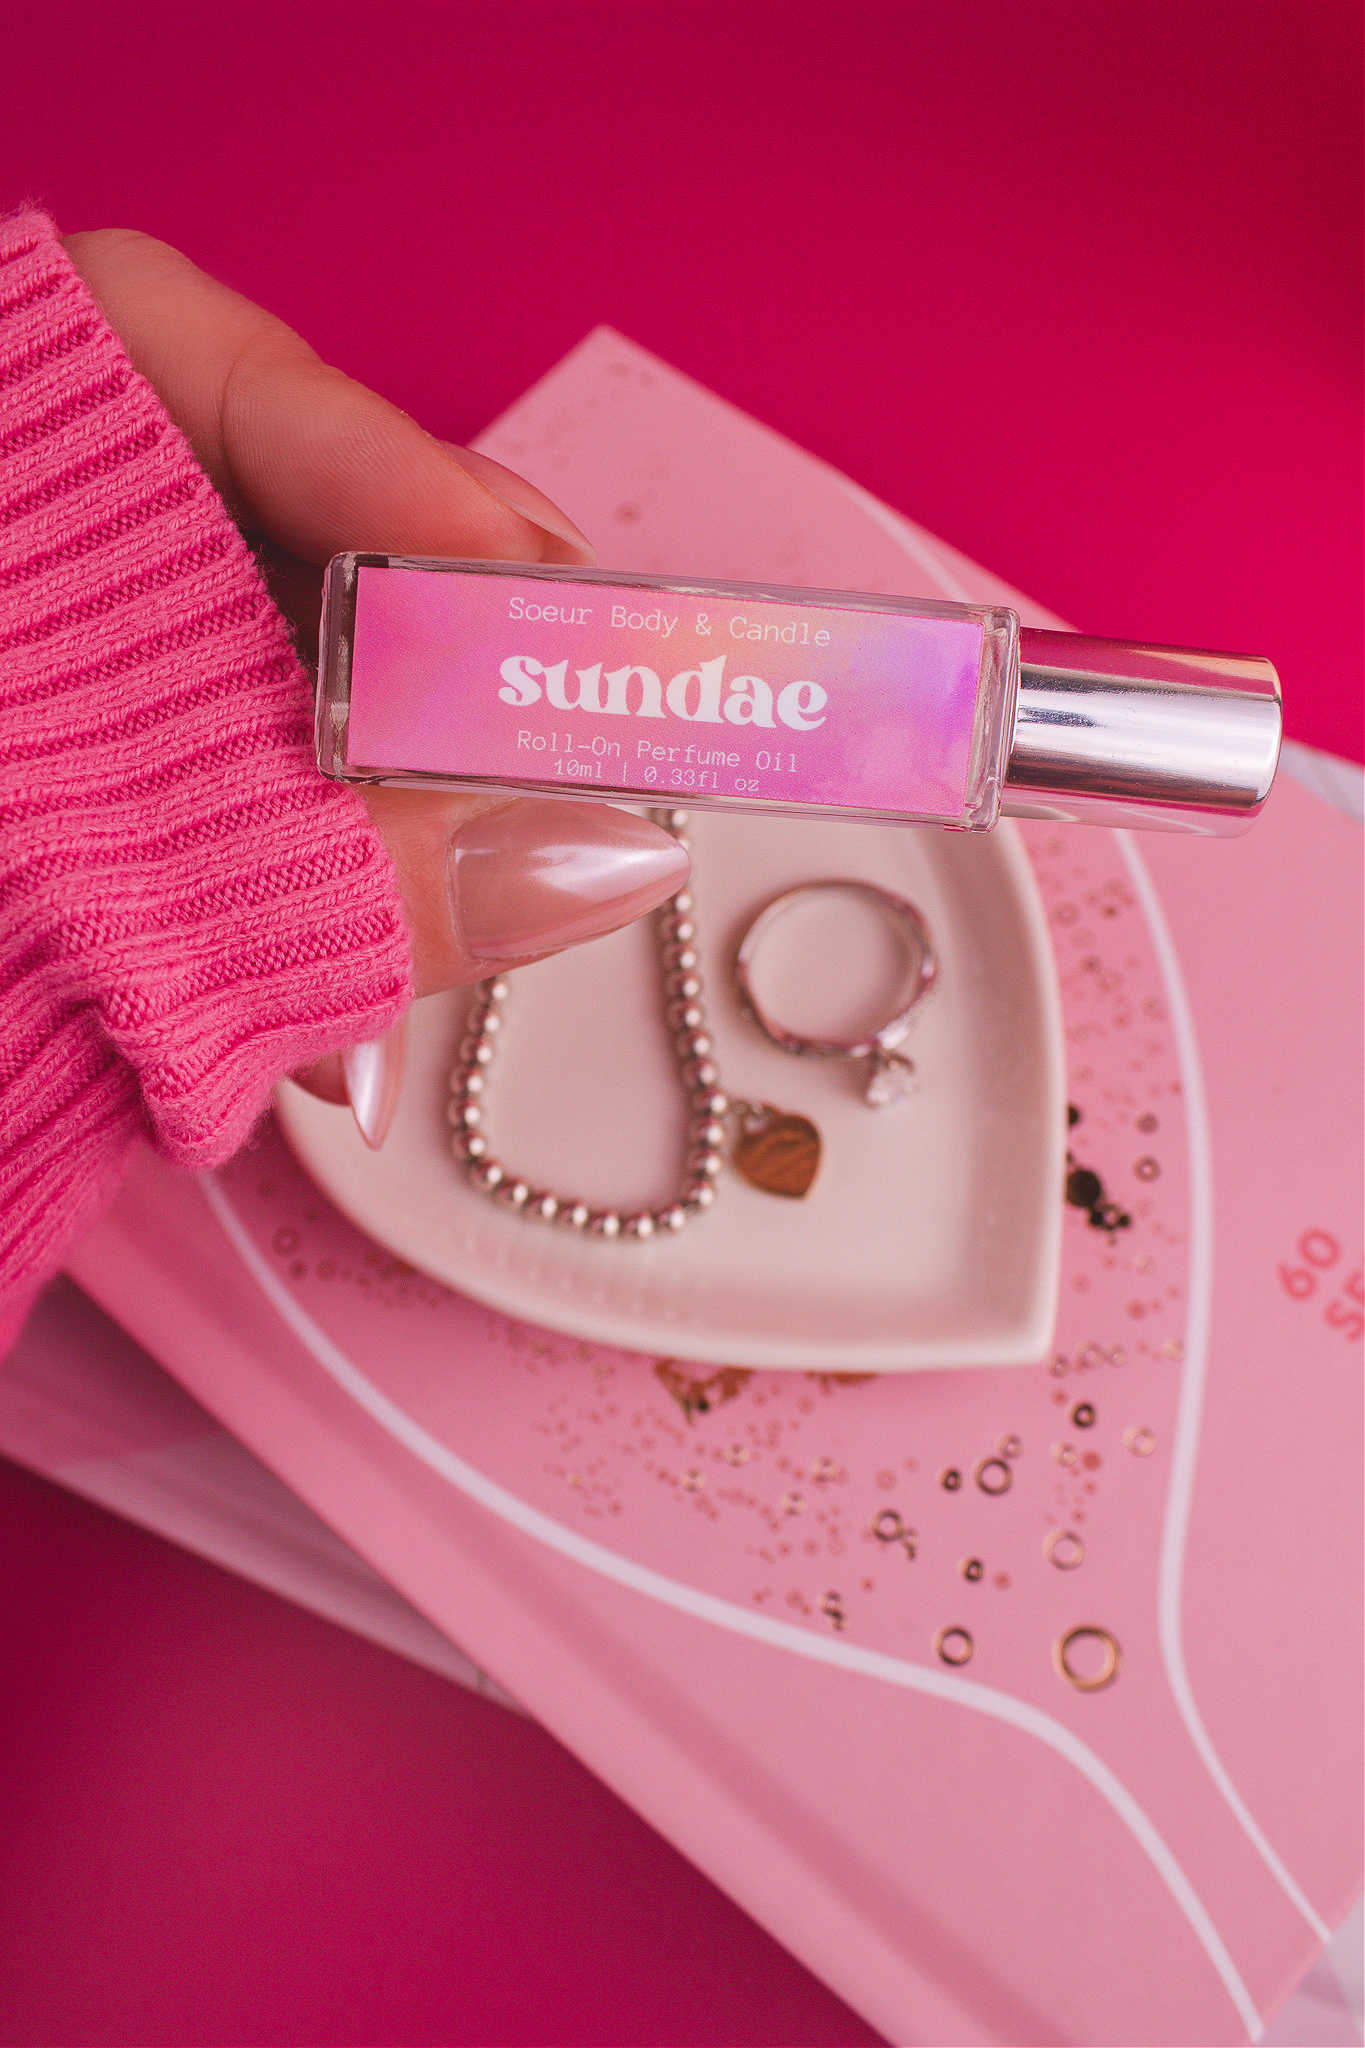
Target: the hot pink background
(1076, 286)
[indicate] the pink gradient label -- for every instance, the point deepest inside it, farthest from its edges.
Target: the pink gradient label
(662, 694)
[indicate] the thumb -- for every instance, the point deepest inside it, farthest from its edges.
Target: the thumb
(490, 885)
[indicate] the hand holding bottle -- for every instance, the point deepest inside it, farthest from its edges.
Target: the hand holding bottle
(309, 463)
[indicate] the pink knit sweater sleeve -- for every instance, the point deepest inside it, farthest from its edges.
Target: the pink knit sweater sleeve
(187, 908)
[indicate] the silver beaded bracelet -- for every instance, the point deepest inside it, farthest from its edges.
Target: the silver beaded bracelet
(775, 1150)
(708, 1105)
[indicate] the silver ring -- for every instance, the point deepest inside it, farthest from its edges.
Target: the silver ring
(891, 1070)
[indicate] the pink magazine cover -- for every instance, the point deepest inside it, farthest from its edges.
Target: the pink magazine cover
(744, 1597)
(85, 1406)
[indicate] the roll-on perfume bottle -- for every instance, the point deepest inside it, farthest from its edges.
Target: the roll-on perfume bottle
(516, 679)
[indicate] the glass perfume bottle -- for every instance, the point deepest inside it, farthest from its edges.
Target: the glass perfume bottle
(518, 679)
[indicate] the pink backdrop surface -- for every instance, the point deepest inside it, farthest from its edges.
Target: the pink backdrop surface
(1077, 288)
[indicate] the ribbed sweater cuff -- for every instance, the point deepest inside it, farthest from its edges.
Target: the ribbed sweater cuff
(187, 908)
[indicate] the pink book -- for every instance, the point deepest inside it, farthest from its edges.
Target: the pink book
(1123, 1806)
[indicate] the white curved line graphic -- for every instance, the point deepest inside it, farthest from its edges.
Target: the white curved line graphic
(1175, 1524)
(625, 1571)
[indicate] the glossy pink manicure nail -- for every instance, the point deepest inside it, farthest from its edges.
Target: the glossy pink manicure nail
(533, 877)
(373, 1071)
(523, 497)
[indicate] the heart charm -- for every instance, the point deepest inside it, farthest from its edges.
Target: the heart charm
(777, 1151)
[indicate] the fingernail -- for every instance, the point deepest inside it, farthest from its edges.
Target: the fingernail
(523, 497)
(533, 877)
(373, 1072)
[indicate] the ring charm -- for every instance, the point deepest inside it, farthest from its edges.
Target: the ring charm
(891, 1072)
(1110, 1657)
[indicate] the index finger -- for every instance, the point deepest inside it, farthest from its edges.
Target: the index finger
(300, 452)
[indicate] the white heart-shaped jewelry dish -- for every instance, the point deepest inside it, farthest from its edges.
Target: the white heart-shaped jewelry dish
(931, 1237)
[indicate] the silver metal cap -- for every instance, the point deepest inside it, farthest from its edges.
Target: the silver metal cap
(1149, 736)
